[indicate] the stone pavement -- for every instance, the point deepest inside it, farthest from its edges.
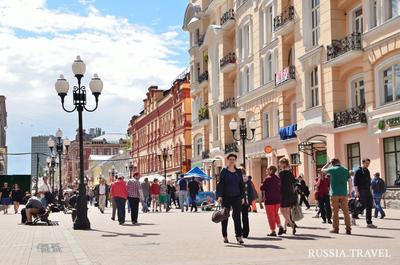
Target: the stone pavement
(191, 238)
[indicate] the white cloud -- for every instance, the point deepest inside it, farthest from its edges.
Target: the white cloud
(38, 43)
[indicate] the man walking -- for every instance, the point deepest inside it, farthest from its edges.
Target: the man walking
(146, 195)
(248, 198)
(193, 191)
(378, 187)
(304, 191)
(119, 193)
(362, 187)
(101, 193)
(183, 187)
(339, 178)
(134, 191)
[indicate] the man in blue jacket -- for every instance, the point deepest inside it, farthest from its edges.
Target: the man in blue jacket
(378, 189)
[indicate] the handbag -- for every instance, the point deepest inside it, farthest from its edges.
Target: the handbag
(296, 213)
(220, 215)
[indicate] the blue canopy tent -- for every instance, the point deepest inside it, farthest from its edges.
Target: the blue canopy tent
(196, 172)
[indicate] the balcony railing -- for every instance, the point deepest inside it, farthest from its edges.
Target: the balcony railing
(350, 116)
(203, 113)
(228, 103)
(283, 18)
(230, 14)
(203, 77)
(289, 73)
(231, 148)
(205, 154)
(338, 47)
(200, 40)
(228, 59)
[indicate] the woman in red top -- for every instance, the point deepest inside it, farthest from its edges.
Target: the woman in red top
(322, 187)
(155, 195)
(119, 193)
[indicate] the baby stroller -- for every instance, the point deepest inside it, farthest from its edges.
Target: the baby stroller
(355, 208)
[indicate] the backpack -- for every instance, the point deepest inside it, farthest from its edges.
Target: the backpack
(379, 186)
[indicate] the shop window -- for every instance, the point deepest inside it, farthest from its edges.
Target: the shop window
(295, 159)
(391, 147)
(353, 156)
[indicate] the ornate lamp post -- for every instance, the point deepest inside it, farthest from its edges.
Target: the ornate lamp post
(79, 100)
(129, 167)
(233, 125)
(59, 151)
(51, 165)
(164, 153)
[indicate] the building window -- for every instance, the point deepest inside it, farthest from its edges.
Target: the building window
(358, 20)
(391, 148)
(266, 122)
(391, 83)
(353, 156)
(314, 91)
(262, 71)
(374, 13)
(199, 146)
(215, 128)
(358, 92)
(293, 110)
(295, 159)
(276, 121)
(393, 8)
(315, 19)
(247, 79)
(270, 65)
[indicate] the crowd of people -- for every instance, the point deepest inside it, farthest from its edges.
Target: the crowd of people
(335, 188)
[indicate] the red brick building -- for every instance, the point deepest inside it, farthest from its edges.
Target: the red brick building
(164, 122)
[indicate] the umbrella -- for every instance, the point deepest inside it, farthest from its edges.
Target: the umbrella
(196, 172)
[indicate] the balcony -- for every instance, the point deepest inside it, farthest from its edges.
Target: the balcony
(203, 115)
(349, 117)
(203, 79)
(205, 154)
(228, 62)
(344, 50)
(284, 23)
(228, 19)
(288, 132)
(231, 148)
(228, 106)
(286, 78)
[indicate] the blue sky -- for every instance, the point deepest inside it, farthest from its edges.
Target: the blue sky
(130, 44)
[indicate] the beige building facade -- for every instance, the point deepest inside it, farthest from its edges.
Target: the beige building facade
(321, 78)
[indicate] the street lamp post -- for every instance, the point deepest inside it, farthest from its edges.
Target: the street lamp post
(79, 100)
(59, 150)
(233, 125)
(164, 153)
(51, 164)
(130, 167)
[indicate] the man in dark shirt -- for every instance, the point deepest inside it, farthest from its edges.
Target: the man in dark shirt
(183, 187)
(193, 191)
(362, 186)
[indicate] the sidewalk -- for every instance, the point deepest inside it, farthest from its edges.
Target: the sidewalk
(191, 238)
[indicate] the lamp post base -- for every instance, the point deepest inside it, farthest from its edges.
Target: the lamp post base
(81, 221)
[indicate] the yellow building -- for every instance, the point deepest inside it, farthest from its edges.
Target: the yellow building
(321, 78)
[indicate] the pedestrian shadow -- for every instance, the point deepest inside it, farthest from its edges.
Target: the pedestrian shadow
(116, 234)
(386, 228)
(306, 237)
(256, 246)
(312, 228)
(373, 236)
(392, 219)
(267, 238)
(138, 224)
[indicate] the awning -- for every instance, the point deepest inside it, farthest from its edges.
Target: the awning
(197, 173)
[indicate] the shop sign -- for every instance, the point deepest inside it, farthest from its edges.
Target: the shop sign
(268, 149)
(392, 122)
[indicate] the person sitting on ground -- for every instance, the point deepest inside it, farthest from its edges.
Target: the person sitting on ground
(34, 206)
(208, 204)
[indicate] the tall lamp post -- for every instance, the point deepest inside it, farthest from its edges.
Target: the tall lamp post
(164, 152)
(51, 165)
(59, 150)
(129, 167)
(79, 100)
(233, 125)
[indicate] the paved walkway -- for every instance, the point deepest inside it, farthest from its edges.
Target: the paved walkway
(191, 238)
